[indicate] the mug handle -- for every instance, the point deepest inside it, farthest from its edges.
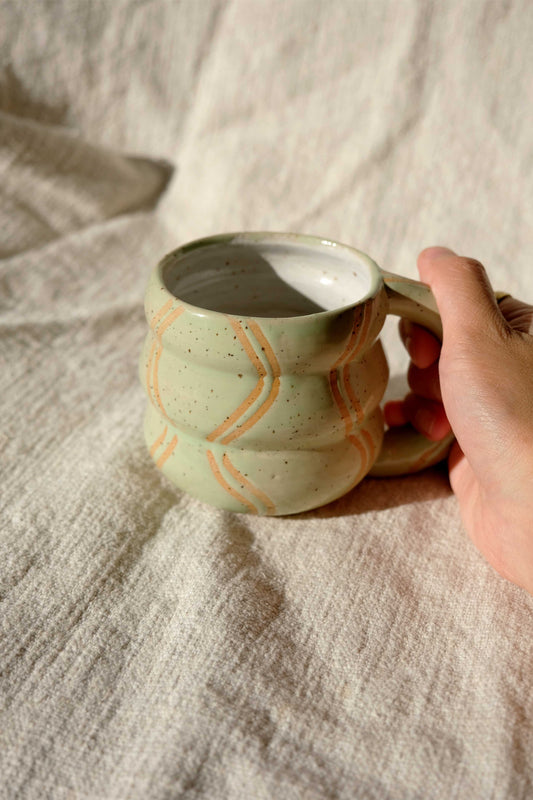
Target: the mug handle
(404, 450)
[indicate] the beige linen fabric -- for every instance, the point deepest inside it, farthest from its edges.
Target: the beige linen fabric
(154, 647)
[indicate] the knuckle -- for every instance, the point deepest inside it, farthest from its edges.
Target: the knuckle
(475, 267)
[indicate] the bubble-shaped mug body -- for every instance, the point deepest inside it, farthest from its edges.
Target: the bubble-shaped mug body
(264, 371)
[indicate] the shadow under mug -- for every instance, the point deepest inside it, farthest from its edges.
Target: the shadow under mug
(264, 371)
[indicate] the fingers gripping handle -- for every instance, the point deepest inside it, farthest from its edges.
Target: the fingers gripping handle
(405, 450)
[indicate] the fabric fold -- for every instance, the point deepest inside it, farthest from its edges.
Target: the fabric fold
(53, 182)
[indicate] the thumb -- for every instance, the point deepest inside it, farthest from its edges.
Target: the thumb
(464, 296)
(473, 360)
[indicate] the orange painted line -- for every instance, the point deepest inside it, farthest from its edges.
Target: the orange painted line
(250, 352)
(274, 389)
(168, 321)
(341, 405)
(371, 446)
(158, 441)
(161, 313)
(167, 452)
(261, 411)
(351, 342)
(225, 485)
(159, 332)
(351, 394)
(354, 345)
(256, 391)
(267, 347)
(420, 463)
(252, 397)
(248, 484)
(153, 324)
(367, 316)
(156, 380)
(149, 366)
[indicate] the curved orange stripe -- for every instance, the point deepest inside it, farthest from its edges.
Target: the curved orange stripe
(355, 343)
(153, 322)
(261, 411)
(158, 333)
(225, 485)
(156, 380)
(367, 316)
(167, 452)
(250, 352)
(341, 405)
(420, 462)
(351, 342)
(248, 484)
(274, 389)
(169, 320)
(149, 366)
(351, 394)
(256, 391)
(371, 446)
(161, 313)
(158, 441)
(267, 347)
(252, 397)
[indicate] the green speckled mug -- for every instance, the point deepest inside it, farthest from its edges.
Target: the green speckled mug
(264, 371)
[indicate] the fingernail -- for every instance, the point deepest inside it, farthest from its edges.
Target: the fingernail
(438, 251)
(424, 420)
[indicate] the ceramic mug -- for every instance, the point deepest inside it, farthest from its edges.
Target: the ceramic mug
(264, 371)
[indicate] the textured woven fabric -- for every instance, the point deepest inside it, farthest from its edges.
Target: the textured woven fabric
(152, 646)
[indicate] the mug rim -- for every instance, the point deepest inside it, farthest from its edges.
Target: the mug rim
(243, 237)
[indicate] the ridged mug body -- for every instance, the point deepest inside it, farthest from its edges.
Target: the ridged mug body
(262, 414)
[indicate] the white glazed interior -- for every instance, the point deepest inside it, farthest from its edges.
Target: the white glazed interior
(271, 276)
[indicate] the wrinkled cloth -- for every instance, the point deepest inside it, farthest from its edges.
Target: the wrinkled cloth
(152, 646)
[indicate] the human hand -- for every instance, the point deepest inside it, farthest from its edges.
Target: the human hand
(480, 384)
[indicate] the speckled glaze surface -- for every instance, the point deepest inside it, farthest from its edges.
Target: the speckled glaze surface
(274, 412)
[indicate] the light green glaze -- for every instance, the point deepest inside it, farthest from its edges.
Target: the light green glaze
(274, 414)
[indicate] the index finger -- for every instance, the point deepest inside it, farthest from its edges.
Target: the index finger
(422, 346)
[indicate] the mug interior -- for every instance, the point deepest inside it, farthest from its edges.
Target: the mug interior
(272, 275)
